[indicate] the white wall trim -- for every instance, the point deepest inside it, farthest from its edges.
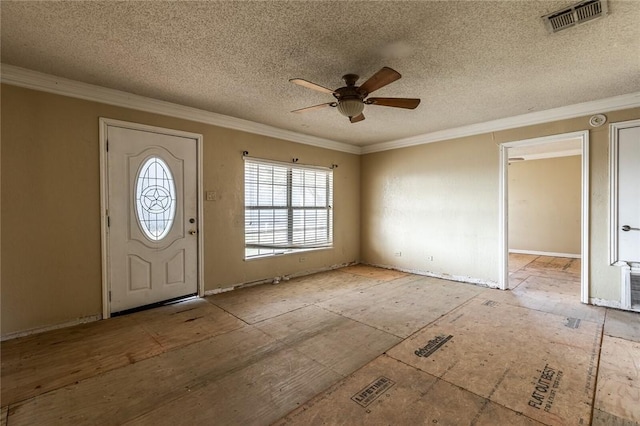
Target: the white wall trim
(555, 154)
(585, 220)
(37, 330)
(546, 253)
(503, 219)
(29, 79)
(605, 303)
(104, 124)
(625, 289)
(631, 100)
(104, 203)
(503, 211)
(22, 77)
(459, 278)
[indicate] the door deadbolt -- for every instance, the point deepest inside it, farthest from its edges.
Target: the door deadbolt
(192, 220)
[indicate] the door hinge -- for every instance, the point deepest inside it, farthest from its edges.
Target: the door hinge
(108, 221)
(109, 295)
(107, 145)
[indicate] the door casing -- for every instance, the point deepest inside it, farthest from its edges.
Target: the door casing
(104, 124)
(503, 210)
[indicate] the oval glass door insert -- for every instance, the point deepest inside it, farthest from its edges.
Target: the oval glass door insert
(155, 198)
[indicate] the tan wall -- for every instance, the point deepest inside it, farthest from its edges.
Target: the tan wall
(437, 200)
(544, 205)
(50, 247)
(441, 199)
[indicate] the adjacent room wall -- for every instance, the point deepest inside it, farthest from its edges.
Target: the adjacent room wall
(51, 240)
(544, 205)
(440, 201)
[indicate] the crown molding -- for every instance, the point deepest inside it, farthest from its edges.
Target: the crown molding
(29, 79)
(631, 100)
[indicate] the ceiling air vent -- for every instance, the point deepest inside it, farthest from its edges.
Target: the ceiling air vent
(574, 15)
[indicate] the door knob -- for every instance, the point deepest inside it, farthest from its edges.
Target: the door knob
(193, 231)
(627, 228)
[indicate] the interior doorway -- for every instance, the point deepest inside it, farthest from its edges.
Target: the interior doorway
(542, 240)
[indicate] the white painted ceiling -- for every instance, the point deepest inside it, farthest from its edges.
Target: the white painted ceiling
(469, 61)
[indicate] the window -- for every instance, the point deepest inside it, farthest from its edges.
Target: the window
(155, 198)
(288, 207)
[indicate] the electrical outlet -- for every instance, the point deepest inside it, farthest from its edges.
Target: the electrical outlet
(430, 258)
(212, 196)
(398, 254)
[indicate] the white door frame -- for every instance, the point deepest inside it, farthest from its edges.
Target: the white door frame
(503, 211)
(104, 200)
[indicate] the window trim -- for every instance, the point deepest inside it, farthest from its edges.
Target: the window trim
(280, 250)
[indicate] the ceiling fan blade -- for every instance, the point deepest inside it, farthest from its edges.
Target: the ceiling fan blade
(310, 85)
(408, 103)
(356, 118)
(380, 79)
(311, 108)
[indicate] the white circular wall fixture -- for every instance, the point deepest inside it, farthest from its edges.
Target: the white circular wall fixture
(597, 120)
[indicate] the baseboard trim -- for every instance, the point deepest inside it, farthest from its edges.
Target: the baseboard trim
(38, 330)
(546, 253)
(276, 279)
(605, 303)
(459, 278)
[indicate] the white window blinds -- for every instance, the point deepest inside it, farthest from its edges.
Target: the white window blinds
(288, 207)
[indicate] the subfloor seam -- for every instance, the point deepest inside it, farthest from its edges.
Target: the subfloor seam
(466, 390)
(597, 372)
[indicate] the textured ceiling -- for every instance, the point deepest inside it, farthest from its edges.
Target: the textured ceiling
(469, 61)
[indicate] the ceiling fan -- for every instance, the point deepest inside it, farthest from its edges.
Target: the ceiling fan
(351, 99)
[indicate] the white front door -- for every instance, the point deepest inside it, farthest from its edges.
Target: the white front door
(629, 194)
(152, 217)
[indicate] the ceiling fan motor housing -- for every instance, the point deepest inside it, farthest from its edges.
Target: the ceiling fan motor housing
(350, 100)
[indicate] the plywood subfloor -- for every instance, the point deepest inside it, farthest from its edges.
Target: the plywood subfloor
(387, 392)
(549, 295)
(623, 324)
(618, 390)
(403, 306)
(602, 418)
(255, 304)
(37, 364)
(518, 261)
(375, 273)
(242, 375)
(531, 362)
(561, 268)
(337, 342)
(252, 356)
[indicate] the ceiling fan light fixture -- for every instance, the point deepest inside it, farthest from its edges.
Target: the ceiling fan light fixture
(351, 107)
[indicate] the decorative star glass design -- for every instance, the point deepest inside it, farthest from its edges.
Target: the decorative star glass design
(155, 198)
